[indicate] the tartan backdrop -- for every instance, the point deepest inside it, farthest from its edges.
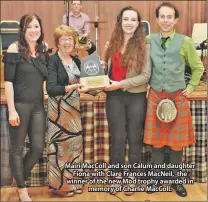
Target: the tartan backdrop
(96, 143)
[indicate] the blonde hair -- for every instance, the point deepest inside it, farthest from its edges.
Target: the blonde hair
(63, 30)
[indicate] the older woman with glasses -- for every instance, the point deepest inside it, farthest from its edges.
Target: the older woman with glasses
(64, 119)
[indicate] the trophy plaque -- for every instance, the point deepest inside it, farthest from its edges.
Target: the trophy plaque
(92, 73)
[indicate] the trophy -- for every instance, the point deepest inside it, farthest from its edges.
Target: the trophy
(92, 73)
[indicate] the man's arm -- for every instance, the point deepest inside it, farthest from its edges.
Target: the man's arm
(195, 63)
(86, 28)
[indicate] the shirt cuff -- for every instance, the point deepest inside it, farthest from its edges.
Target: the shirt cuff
(190, 88)
(122, 86)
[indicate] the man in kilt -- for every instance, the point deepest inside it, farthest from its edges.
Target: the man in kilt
(169, 52)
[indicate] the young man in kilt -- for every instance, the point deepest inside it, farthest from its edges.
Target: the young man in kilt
(169, 52)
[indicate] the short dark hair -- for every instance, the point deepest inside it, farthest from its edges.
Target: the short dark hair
(72, 2)
(167, 4)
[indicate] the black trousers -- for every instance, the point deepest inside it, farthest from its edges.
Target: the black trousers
(126, 116)
(158, 155)
(33, 123)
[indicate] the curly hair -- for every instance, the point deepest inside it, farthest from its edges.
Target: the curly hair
(23, 45)
(135, 52)
(63, 30)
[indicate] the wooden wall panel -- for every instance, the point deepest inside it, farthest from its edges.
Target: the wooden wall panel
(110, 14)
(51, 13)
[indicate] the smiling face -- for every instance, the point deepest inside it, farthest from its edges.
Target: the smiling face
(33, 31)
(66, 44)
(166, 19)
(129, 22)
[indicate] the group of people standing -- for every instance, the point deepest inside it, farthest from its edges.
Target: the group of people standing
(134, 61)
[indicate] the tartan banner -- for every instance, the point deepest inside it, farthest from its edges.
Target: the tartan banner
(101, 135)
(6, 177)
(95, 133)
(96, 143)
(88, 131)
(197, 154)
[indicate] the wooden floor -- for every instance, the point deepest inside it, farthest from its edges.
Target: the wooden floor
(196, 192)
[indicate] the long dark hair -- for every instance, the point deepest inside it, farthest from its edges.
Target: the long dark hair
(135, 52)
(22, 43)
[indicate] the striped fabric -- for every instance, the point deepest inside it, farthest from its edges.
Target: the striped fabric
(96, 146)
(65, 140)
(197, 154)
(38, 176)
(6, 177)
(95, 129)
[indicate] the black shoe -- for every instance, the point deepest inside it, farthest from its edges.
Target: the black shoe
(180, 189)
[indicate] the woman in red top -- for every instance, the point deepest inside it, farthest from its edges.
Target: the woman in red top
(129, 69)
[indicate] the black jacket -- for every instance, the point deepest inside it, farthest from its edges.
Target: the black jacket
(57, 75)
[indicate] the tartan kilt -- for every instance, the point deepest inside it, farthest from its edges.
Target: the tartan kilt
(176, 134)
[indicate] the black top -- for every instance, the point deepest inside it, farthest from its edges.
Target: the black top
(57, 75)
(27, 77)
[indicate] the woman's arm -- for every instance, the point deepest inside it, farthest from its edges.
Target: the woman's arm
(45, 95)
(143, 77)
(135, 81)
(9, 72)
(52, 85)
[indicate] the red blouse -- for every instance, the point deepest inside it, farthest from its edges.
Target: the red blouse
(118, 73)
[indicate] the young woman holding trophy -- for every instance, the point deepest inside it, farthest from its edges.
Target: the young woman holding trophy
(129, 70)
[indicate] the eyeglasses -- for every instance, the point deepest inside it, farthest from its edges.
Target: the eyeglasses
(64, 40)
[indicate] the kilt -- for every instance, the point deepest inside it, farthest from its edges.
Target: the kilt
(176, 134)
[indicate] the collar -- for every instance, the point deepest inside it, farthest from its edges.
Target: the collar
(71, 14)
(171, 35)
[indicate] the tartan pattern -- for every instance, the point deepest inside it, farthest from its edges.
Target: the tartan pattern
(146, 153)
(88, 129)
(197, 154)
(101, 146)
(95, 130)
(176, 134)
(6, 177)
(38, 175)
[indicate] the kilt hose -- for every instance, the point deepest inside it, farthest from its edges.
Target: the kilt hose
(176, 134)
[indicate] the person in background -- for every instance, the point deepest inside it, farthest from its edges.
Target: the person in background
(24, 74)
(64, 118)
(80, 22)
(129, 70)
(77, 19)
(169, 52)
